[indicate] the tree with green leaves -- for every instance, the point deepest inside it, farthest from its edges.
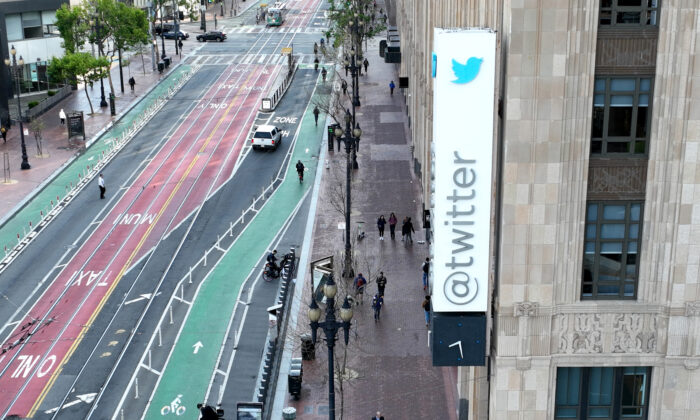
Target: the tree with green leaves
(128, 27)
(82, 67)
(72, 25)
(352, 22)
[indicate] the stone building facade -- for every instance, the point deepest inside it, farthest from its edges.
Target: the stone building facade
(595, 292)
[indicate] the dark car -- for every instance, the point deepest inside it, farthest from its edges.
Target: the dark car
(211, 36)
(180, 35)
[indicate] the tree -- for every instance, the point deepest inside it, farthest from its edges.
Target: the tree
(37, 127)
(128, 27)
(73, 26)
(82, 67)
(352, 22)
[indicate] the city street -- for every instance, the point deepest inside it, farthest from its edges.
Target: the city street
(114, 291)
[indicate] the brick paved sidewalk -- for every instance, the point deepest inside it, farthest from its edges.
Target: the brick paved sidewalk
(389, 365)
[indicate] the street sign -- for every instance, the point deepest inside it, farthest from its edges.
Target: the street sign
(76, 126)
(286, 50)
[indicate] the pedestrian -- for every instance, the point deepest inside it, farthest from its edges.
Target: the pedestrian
(323, 42)
(381, 283)
(366, 64)
(377, 302)
(101, 183)
(359, 283)
(426, 308)
(408, 227)
(381, 222)
(347, 66)
(3, 132)
(315, 48)
(316, 64)
(392, 225)
(378, 416)
(324, 73)
(179, 44)
(384, 18)
(316, 112)
(404, 223)
(132, 83)
(426, 226)
(62, 116)
(391, 87)
(426, 273)
(344, 86)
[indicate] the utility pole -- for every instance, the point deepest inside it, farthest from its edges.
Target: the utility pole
(150, 31)
(176, 15)
(203, 9)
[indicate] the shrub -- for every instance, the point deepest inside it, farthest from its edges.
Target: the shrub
(32, 104)
(51, 92)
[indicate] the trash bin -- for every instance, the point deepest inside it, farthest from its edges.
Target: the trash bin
(331, 137)
(112, 106)
(167, 61)
(289, 413)
(308, 350)
(161, 66)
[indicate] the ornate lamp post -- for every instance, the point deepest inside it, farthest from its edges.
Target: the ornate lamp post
(16, 68)
(330, 329)
(351, 138)
(97, 30)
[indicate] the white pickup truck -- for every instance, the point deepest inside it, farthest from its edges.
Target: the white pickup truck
(266, 137)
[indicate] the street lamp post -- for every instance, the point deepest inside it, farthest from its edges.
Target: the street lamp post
(350, 138)
(16, 67)
(330, 329)
(162, 33)
(98, 33)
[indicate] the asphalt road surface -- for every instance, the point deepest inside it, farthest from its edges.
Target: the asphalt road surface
(142, 304)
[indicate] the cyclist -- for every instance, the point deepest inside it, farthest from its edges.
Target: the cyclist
(272, 259)
(300, 170)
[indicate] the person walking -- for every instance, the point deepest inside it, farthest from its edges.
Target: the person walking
(381, 222)
(366, 64)
(315, 48)
(62, 116)
(426, 273)
(391, 87)
(409, 231)
(359, 283)
(3, 132)
(316, 64)
(426, 309)
(316, 112)
(404, 223)
(377, 302)
(392, 225)
(324, 73)
(378, 416)
(381, 283)
(132, 83)
(427, 226)
(344, 86)
(101, 183)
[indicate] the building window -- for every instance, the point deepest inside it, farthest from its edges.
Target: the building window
(628, 12)
(608, 393)
(611, 250)
(621, 116)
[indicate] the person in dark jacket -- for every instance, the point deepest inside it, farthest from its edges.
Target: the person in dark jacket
(381, 283)
(426, 309)
(381, 222)
(392, 225)
(407, 230)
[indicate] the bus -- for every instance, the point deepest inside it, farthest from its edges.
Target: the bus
(275, 14)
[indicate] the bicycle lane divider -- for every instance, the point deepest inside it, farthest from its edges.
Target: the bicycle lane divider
(193, 359)
(59, 186)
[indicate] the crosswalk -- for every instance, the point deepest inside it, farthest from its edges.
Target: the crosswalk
(228, 59)
(281, 29)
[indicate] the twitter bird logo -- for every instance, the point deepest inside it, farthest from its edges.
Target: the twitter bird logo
(465, 73)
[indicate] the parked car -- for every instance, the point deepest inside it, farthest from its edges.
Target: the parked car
(266, 137)
(211, 36)
(180, 35)
(167, 27)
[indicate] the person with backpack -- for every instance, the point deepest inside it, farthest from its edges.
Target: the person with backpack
(316, 112)
(132, 83)
(359, 283)
(377, 302)
(381, 283)
(391, 87)
(426, 309)
(426, 273)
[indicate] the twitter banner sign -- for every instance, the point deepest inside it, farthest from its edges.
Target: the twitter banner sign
(463, 121)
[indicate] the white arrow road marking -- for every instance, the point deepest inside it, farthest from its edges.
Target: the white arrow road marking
(198, 345)
(141, 297)
(85, 398)
(458, 343)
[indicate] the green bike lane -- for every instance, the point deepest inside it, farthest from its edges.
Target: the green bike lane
(57, 188)
(187, 374)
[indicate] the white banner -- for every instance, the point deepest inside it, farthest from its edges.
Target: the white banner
(464, 73)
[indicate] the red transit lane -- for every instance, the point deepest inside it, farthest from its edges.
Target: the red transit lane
(69, 305)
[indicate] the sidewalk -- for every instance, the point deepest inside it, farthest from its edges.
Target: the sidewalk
(389, 366)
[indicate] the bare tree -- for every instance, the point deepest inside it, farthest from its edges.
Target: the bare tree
(37, 127)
